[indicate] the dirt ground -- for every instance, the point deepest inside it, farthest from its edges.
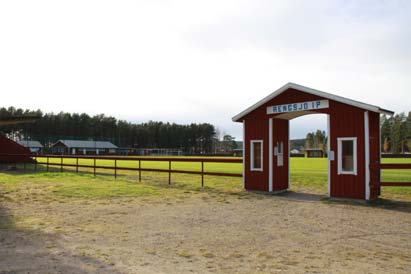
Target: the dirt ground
(204, 232)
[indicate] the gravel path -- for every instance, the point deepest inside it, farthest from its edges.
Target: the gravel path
(205, 233)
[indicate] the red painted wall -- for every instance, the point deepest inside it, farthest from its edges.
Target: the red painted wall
(8, 147)
(347, 121)
(291, 96)
(375, 178)
(256, 129)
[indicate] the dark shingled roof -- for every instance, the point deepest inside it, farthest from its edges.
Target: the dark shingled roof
(87, 144)
(27, 143)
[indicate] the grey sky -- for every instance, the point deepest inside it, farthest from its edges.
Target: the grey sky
(201, 61)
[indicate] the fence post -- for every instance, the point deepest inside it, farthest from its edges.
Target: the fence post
(35, 165)
(115, 169)
(169, 172)
(47, 163)
(76, 164)
(24, 165)
(202, 173)
(139, 170)
(61, 164)
(94, 166)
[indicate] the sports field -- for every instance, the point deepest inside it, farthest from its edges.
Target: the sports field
(307, 174)
(67, 222)
(189, 166)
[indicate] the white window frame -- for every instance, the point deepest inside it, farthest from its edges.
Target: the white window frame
(340, 170)
(252, 142)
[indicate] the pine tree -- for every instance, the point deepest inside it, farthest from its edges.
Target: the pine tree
(398, 133)
(386, 145)
(386, 128)
(309, 140)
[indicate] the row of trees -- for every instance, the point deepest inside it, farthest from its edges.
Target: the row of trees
(192, 138)
(316, 139)
(50, 127)
(396, 133)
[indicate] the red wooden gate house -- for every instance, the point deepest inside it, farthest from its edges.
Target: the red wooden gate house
(353, 141)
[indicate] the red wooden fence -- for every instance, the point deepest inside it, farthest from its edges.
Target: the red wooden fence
(392, 166)
(139, 167)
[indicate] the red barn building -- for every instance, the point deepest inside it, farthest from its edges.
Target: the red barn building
(12, 152)
(353, 141)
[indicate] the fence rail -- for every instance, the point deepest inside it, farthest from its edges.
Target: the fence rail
(392, 166)
(145, 158)
(169, 170)
(45, 160)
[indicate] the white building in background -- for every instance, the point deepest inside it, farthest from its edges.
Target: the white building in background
(34, 146)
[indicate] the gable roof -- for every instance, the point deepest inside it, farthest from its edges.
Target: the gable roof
(323, 94)
(86, 144)
(27, 143)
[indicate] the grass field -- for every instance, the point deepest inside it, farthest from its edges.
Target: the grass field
(307, 175)
(190, 166)
(311, 174)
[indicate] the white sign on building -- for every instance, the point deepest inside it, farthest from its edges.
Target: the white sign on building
(311, 105)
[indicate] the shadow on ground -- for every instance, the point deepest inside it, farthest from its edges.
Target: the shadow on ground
(35, 251)
(383, 203)
(302, 196)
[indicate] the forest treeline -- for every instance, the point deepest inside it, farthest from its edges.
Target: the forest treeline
(396, 133)
(191, 138)
(317, 139)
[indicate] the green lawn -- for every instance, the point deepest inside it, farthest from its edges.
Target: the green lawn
(312, 174)
(307, 175)
(189, 166)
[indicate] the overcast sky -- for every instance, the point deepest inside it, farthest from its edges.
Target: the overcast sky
(201, 61)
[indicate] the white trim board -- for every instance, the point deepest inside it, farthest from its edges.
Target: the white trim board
(328, 154)
(270, 155)
(319, 93)
(244, 144)
(289, 177)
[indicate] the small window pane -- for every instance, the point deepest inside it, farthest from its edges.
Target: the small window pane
(257, 155)
(347, 148)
